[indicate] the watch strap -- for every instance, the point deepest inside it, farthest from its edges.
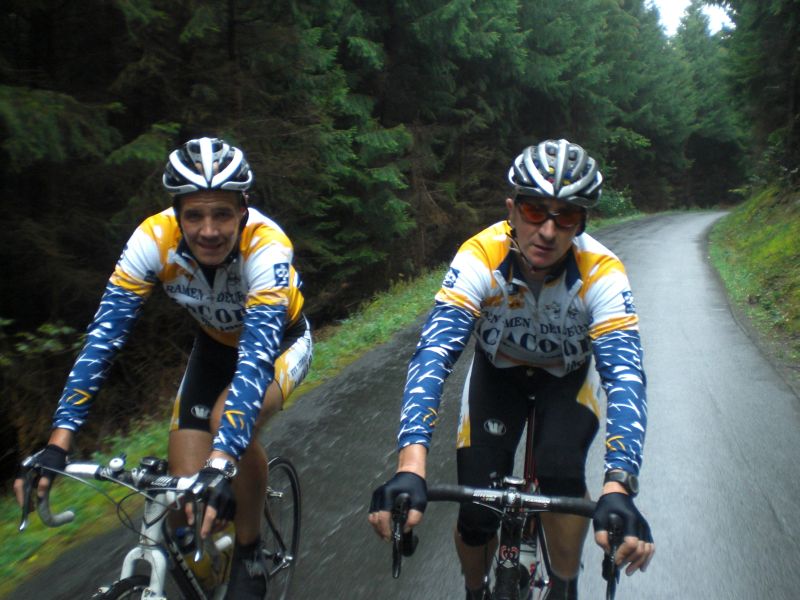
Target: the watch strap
(225, 466)
(628, 480)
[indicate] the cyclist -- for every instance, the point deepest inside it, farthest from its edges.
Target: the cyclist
(231, 268)
(545, 302)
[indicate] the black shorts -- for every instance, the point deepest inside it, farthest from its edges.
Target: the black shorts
(494, 409)
(211, 368)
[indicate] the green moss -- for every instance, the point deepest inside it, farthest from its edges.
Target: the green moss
(756, 250)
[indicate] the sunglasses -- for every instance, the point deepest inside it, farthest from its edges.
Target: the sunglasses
(537, 214)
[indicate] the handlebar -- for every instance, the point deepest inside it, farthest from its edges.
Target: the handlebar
(150, 476)
(502, 498)
(404, 543)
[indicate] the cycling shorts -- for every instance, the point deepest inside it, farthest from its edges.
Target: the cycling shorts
(211, 368)
(494, 408)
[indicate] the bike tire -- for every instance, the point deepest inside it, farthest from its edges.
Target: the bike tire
(130, 588)
(531, 560)
(280, 531)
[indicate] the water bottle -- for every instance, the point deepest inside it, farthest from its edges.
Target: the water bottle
(223, 545)
(184, 538)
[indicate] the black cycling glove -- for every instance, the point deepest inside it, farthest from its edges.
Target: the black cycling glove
(214, 488)
(633, 523)
(403, 482)
(47, 462)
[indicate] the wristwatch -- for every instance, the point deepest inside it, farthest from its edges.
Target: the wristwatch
(229, 470)
(629, 481)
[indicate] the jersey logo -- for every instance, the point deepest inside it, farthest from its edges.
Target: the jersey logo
(450, 278)
(494, 427)
(200, 412)
(627, 299)
(553, 310)
(282, 275)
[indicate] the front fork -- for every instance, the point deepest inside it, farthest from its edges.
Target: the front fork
(151, 549)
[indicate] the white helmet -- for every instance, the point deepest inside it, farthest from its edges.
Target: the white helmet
(206, 164)
(557, 169)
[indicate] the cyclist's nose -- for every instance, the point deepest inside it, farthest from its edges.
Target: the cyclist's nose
(208, 227)
(548, 229)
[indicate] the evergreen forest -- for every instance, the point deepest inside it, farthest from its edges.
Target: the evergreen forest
(380, 133)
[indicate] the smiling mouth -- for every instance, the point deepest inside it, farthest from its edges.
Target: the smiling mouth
(209, 247)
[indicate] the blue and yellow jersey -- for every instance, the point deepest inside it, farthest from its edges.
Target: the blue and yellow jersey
(584, 311)
(253, 298)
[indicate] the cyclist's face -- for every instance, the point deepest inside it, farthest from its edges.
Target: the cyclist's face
(544, 244)
(210, 222)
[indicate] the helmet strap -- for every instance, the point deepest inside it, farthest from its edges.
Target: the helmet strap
(582, 227)
(515, 248)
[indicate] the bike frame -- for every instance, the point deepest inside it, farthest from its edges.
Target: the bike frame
(159, 549)
(533, 535)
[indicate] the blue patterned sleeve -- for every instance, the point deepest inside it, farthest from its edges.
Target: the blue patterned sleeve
(259, 346)
(106, 335)
(618, 356)
(444, 337)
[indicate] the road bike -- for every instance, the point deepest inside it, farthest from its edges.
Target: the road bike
(166, 562)
(522, 564)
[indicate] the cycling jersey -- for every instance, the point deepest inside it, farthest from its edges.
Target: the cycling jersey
(254, 296)
(584, 310)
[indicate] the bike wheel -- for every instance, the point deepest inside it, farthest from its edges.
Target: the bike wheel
(130, 588)
(533, 559)
(280, 531)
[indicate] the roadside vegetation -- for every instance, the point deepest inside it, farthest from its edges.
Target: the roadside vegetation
(756, 250)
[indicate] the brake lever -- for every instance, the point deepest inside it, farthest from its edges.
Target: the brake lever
(403, 543)
(27, 487)
(198, 525)
(611, 571)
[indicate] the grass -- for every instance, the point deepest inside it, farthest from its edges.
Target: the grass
(755, 249)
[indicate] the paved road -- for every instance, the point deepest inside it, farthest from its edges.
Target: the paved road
(720, 482)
